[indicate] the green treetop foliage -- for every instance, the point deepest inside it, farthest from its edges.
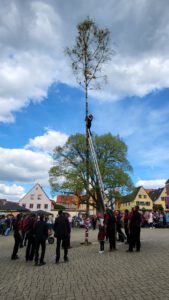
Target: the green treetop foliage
(68, 175)
(89, 53)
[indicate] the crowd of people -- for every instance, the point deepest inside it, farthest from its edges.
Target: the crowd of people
(126, 226)
(32, 231)
(110, 228)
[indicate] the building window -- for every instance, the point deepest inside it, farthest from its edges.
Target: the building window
(45, 206)
(137, 202)
(23, 205)
(147, 203)
(30, 205)
(32, 197)
(38, 206)
(39, 197)
(145, 196)
(140, 196)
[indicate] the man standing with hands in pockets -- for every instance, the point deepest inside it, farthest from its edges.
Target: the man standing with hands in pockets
(62, 232)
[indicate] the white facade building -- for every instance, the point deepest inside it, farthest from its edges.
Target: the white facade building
(36, 199)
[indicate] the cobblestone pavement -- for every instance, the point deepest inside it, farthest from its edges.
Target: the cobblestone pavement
(89, 275)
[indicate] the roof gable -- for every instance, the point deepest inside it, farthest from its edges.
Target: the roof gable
(154, 195)
(37, 188)
(131, 197)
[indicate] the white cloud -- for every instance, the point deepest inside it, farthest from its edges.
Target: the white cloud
(157, 183)
(11, 192)
(23, 165)
(28, 165)
(29, 61)
(34, 34)
(48, 141)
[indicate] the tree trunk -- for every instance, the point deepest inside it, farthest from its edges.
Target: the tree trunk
(99, 204)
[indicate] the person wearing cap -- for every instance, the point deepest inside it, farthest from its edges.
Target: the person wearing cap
(62, 233)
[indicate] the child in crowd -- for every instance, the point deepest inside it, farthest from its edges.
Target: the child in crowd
(101, 236)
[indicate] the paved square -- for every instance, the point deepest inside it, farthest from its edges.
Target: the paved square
(89, 275)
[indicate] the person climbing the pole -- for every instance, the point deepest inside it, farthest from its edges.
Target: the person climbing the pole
(88, 120)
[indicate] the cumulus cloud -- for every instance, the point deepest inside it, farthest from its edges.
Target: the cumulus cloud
(48, 141)
(28, 165)
(34, 34)
(11, 192)
(24, 165)
(29, 62)
(157, 183)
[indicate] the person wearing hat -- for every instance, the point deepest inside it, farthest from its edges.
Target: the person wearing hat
(62, 233)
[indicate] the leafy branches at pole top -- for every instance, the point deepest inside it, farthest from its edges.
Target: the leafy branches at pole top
(89, 54)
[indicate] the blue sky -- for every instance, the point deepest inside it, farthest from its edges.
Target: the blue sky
(41, 103)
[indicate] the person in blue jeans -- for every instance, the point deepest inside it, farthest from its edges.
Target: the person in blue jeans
(8, 226)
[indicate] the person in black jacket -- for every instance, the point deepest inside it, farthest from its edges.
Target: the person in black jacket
(62, 232)
(89, 121)
(110, 225)
(135, 228)
(30, 249)
(17, 235)
(40, 234)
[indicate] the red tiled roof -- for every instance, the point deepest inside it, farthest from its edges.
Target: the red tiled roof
(149, 190)
(66, 199)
